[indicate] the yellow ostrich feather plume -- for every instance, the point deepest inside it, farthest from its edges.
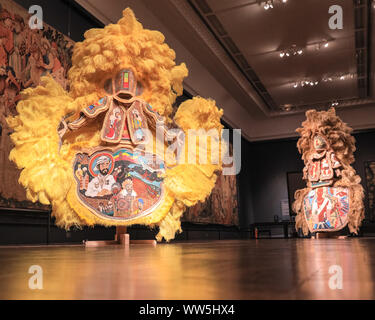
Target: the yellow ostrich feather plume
(47, 172)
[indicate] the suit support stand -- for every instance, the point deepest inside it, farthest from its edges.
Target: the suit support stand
(328, 235)
(122, 238)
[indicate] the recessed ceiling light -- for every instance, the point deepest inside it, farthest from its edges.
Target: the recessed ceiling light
(270, 4)
(291, 51)
(287, 107)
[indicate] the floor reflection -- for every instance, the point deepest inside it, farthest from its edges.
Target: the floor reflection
(247, 269)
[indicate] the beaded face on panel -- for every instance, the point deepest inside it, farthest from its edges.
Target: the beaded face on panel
(320, 143)
(124, 86)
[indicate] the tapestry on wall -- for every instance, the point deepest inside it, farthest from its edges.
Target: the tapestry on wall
(370, 183)
(221, 207)
(25, 56)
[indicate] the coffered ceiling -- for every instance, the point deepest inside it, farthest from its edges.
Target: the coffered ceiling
(266, 67)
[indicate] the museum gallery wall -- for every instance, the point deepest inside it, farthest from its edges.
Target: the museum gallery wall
(370, 184)
(27, 55)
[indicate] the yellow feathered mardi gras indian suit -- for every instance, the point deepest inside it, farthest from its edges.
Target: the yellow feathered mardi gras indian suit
(100, 153)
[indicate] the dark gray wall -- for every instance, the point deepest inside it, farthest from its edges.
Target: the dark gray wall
(365, 143)
(270, 162)
(245, 186)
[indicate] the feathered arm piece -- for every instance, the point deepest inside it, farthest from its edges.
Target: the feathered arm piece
(45, 171)
(191, 181)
